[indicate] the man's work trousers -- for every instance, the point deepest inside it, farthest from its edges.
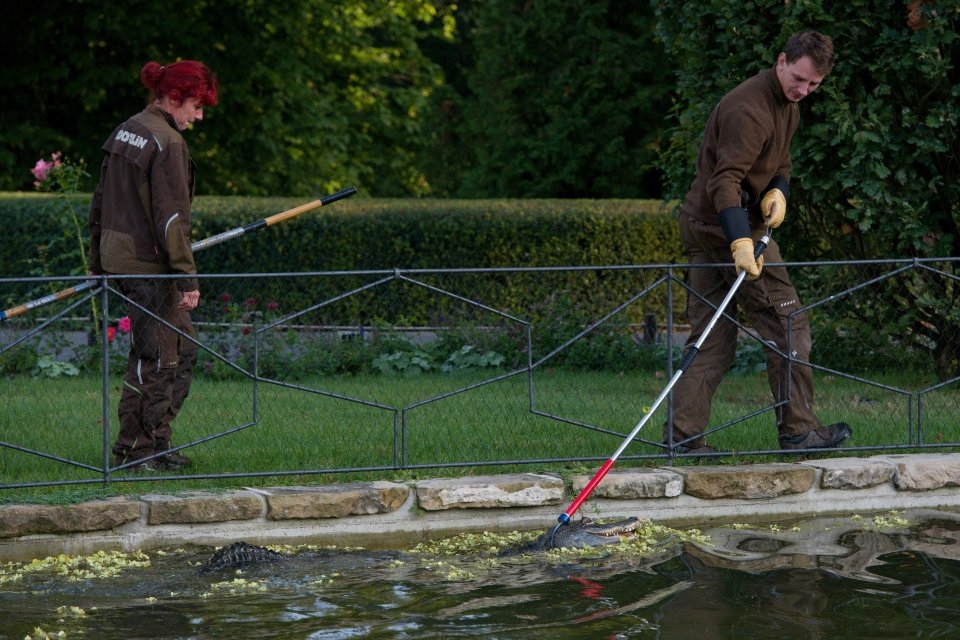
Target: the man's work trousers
(159, 368)
(768, 303)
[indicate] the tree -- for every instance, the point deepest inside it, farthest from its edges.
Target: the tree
(875, 163)
(334, 94)
(562, 98)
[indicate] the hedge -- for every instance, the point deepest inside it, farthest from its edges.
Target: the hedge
(371, 234)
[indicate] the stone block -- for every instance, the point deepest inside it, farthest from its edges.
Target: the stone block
(852, 473)
(97, 515)
(749, 482)
(633, 483)
(202, 507)
(334, 501)
(925, 472)
(484, 492)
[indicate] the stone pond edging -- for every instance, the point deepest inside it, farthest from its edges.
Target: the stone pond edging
(387, 514)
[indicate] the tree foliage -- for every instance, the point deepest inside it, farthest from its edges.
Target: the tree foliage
(314, 95)
(875, 160)
(876, 157)
(482, 98)
(565, 98)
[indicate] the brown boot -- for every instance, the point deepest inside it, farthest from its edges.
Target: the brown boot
(822, 438)
(172, 459)
(698, 452)
(143, 466)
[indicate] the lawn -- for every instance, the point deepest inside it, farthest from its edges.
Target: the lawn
(386, 427)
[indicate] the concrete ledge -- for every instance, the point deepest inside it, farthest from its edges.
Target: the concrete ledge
(388, 514)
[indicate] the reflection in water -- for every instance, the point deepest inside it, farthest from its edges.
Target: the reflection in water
(826, 578)
(817, 578)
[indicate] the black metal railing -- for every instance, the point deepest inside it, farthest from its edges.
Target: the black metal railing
(467, 359)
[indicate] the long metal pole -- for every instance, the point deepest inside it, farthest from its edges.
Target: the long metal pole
(196, 246)
(685, 362)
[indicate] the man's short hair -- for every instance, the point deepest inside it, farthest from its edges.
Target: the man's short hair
(816, 46)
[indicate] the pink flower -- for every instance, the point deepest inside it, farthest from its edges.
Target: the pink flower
(42, 169)
(123, 324)
(273, 306)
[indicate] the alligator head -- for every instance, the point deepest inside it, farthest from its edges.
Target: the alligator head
(588, 533)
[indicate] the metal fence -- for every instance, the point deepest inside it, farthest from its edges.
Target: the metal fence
(410, 369)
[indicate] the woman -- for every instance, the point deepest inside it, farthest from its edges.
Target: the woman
(140, 225)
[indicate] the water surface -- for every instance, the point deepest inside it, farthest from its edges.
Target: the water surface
(895, 576)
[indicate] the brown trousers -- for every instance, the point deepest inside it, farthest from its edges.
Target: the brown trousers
(767, 303)
(159, 368)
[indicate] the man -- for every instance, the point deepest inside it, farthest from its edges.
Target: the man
(740, 189)
(140, 225)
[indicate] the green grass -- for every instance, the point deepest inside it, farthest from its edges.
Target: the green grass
(351, 427)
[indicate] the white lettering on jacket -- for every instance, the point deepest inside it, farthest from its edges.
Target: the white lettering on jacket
(131, 138)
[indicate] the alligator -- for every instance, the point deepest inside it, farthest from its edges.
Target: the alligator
(586, 533)
(239, 554)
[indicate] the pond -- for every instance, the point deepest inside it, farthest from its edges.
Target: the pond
(890, 576)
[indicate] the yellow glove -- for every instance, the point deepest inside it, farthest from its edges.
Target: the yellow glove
(742, 250)
(773, 207)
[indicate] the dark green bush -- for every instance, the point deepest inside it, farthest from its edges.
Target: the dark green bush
(370, 235)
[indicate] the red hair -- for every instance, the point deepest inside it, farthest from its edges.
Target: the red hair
(180, 81)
